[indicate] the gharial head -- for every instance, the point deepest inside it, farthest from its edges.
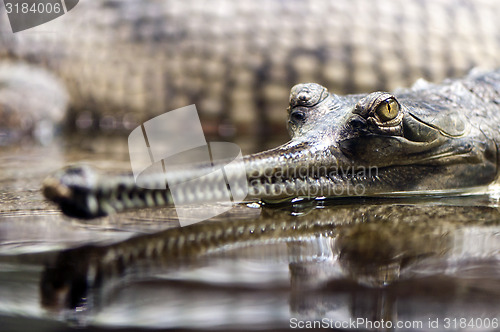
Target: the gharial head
(418, 135)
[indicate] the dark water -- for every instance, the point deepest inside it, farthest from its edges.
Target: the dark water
(375, 264)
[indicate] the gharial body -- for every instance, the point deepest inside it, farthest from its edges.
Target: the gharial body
(428, 139)
(123, 62)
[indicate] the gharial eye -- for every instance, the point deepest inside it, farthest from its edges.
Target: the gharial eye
(297, 116)
(388, 109)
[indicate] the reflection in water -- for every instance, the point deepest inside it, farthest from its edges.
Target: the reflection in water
(384, 259)
(398, 260)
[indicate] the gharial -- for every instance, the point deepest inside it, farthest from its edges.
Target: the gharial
(432, 138)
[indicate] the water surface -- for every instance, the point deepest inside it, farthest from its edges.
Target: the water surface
(414, 261)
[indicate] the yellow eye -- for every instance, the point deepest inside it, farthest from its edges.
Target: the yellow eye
(388, 109)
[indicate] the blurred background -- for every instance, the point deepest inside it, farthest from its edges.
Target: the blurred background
(124, 62)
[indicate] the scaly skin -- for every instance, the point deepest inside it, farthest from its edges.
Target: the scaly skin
(124, 62)
(428, 139)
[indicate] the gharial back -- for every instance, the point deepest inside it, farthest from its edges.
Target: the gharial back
(475, 100)
(236, 60)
